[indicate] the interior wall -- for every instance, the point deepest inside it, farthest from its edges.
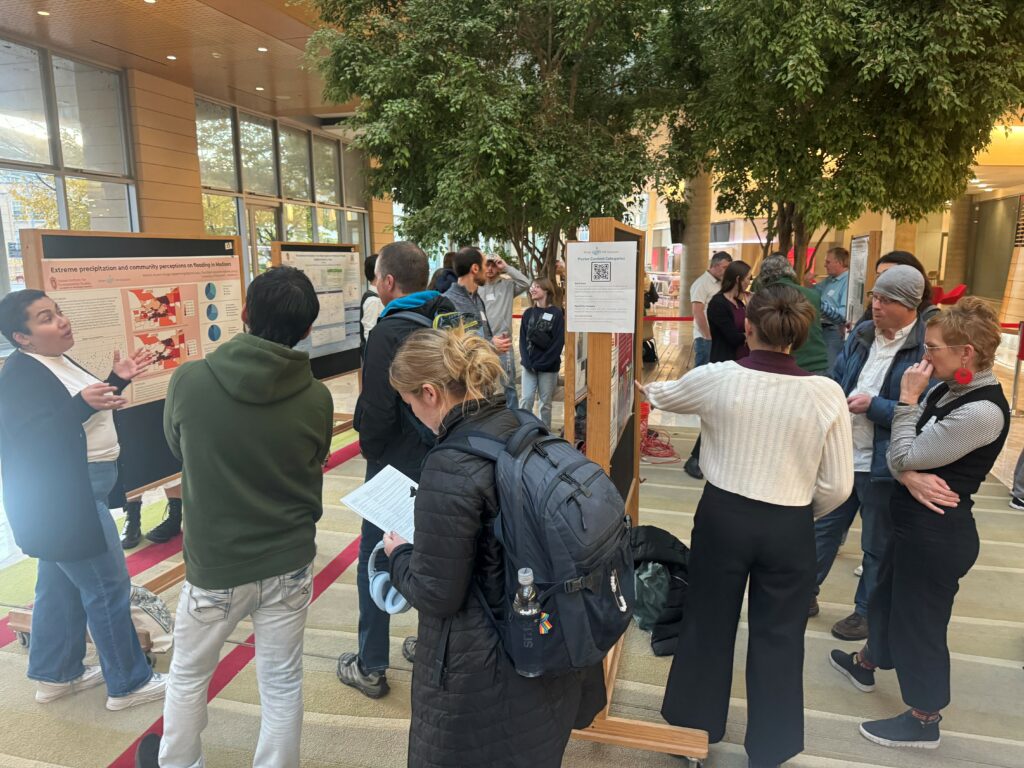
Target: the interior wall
(990, 245)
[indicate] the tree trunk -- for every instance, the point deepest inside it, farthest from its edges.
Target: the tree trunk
(799, 246)
(785, 227)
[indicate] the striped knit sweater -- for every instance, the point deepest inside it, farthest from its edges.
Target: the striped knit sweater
(776, 438)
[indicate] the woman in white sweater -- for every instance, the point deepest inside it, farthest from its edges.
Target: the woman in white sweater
(777, 453)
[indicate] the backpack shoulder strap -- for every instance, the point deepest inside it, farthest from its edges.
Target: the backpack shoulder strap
(416, 317)
(476, 443)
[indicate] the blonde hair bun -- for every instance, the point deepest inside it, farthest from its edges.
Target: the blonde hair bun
(463, 365)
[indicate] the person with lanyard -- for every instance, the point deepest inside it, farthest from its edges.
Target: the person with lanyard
(541, 339)
(58, 452)
(465, 295)
(778, 453)
(503, 283)
(833, 300)
(944, 444)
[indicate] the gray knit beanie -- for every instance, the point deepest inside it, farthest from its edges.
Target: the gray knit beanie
(902, 284)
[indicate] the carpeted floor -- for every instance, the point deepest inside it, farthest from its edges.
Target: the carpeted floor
(983, 727)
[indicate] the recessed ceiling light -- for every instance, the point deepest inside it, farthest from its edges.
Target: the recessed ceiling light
(150, 2)
(261, 49)
(260, 88)
(216, 55)
(172, 58)
(43, 13)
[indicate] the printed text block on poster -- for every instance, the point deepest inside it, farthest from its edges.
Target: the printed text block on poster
(601, 287)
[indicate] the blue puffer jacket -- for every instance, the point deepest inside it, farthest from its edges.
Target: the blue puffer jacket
(847, 370)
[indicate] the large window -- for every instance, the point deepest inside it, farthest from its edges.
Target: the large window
(216, 137)
(356, 195)
(326, 170)
(63, 151)
(259, 166)
(220, 212)
(298, 223)
(294, 163)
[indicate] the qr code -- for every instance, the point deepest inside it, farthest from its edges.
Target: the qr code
(601, 272)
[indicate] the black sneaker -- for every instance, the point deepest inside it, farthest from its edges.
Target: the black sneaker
(692, 468)
(168, 529)
(902, 731)
(1016, 502)
(813, 610)
(846, 665)
(853, 627)
(148, 752)
(409, 649)
(371, 684)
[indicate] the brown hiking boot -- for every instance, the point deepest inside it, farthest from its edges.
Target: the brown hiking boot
(853, 627)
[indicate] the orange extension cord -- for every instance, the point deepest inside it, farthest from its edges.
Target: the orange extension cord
(653, 448)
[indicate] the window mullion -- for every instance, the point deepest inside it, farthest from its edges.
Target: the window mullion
(63, 216)
(50, 105)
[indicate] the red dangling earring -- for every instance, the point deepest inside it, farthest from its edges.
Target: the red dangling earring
(963, 374)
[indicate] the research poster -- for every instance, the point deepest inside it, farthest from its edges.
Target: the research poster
(180, 309)
(338, 280)
(859, 248)
(601, 287)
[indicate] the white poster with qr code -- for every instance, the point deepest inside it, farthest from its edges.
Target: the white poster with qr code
(601, 287)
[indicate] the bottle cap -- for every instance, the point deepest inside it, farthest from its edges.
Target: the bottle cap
(525, 577)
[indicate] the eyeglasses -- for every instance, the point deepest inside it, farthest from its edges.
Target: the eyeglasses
(883, 300)
(929, 348)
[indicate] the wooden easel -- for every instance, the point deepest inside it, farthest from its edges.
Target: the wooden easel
(617, 450)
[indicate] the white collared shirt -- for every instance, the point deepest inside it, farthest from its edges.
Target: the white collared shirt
(872, 377)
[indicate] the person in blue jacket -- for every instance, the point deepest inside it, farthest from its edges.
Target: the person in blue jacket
(869, 369)
(541, 339)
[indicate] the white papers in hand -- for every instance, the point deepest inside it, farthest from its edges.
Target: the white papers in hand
(387, 501)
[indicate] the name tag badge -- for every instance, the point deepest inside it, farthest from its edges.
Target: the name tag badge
(491, 297)
(546, 316)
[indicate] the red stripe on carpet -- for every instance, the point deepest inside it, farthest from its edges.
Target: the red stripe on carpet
(241, 655)
(155, 554)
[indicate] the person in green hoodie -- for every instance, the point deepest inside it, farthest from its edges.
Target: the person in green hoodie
(252, 428)
(812, 355)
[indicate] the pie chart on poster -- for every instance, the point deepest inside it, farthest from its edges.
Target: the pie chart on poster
(211, 312)
(214, 333)
(211, 291)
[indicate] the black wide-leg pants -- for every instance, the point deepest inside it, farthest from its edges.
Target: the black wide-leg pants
(736, 540)
(909, 611)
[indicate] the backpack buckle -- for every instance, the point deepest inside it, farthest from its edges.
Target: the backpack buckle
(579, 584)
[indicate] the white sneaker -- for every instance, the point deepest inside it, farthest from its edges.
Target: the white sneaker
(858, 571)
(151, 691)
(47, 692)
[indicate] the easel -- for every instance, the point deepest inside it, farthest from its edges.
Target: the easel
(616, 448)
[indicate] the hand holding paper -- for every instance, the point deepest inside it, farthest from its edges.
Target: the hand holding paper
(387, 501)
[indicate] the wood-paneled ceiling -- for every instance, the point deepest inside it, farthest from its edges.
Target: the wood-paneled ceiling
(215, 44)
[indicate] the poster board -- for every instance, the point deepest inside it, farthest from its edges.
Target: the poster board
(180, 297)
(336, 271)
(865, 251)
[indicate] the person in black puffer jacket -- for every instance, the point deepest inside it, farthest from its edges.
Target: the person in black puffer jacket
(469, 707)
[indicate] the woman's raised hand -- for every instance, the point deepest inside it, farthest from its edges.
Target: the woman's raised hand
(130, 367)
(101, 397)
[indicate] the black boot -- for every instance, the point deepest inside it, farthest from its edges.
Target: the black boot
(131, 533)
(171, 525)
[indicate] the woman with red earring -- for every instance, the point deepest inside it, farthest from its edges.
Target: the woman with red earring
(943, 445)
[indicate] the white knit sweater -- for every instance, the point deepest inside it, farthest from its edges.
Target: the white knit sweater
(767, 436)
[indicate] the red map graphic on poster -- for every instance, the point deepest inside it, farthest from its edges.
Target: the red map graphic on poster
(155, 308)
(167, 348)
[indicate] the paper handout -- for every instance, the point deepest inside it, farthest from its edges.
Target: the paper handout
(387, 501)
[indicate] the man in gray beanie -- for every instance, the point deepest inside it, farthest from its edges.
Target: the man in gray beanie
(869, 370)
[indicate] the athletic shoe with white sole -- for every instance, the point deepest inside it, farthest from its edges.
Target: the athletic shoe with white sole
(1016, 503)
(903, 731)
(47, 692)
(846, 665)
(152, 691)
(858, 571)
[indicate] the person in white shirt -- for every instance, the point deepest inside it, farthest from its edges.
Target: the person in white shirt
(777, 454)
(869, 370)
(504, 283)
(58, 454)
(701, 292)
(371, 306)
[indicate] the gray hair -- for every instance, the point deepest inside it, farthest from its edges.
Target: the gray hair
(776, 267)
(719, 256)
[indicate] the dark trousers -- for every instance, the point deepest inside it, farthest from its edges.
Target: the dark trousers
(735, 539)
(374, 624)
(911, 607)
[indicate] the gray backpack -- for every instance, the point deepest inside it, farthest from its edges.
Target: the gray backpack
(561, 516)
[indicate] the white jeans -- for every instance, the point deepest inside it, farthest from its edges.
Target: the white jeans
(543, 381)
(205, 619)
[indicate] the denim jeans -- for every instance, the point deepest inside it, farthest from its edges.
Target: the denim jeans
(95, 591)
(872, 498)
(701, 352)
(543, 383)
(204, 619)
(374, 624)
(508, 362)
(833, 342)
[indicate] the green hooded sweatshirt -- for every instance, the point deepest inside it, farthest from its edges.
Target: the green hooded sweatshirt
(252, 428)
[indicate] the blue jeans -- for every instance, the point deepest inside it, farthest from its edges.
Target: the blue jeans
(872, 498)
(508, 362)
(833, 343)
(374, 624)
(544, 384)
(701, 352)
(94, 591)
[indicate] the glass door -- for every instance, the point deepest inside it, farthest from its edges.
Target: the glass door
(264, 228)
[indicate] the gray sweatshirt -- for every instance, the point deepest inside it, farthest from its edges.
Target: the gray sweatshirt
(498, 297)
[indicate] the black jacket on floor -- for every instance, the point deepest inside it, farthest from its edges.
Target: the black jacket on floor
(388, 432)
(47, 493)
(482, 713)
(654, 545)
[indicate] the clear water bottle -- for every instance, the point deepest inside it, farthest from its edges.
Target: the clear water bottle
(526, 610)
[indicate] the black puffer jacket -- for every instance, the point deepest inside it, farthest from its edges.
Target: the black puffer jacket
(482, 713)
